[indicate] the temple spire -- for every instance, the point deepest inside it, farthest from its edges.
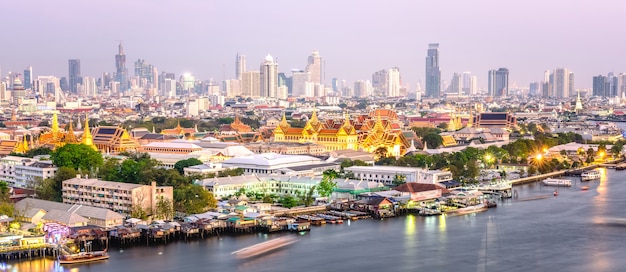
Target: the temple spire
(55, 127)
(87, 137)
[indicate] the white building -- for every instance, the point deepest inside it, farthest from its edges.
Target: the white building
(23, 172)
(269, 77)
(272, 163)
(274, 184)
(117, 196)
(386, 174)
(393, 85)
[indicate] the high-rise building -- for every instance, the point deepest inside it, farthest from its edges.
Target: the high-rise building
(561, 83)
(335, 85)
(188, 83)
(240, 65)
(299, 80)
(74, 75)
(144, 70)
(121, 73)
(456, 85)
(250, 83)
(314, 67)
(621, 83)
(269, 77)
(433, 73)
(600, 86)
(498, 82)
(394, 84)
(571, 87)
(611, 81)
(380, 81)
(28, 78)
(89, 86)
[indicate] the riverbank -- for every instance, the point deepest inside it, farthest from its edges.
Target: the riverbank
(540, 177)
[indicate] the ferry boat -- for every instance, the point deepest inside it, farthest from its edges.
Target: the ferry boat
(264, 247)
(557, 182)
(83, 257)
(590, 175)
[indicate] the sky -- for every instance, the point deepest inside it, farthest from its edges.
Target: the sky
(354, 37)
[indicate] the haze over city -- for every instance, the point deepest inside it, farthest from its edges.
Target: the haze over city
(355, 38)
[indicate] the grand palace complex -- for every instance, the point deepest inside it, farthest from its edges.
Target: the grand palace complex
(379, 130)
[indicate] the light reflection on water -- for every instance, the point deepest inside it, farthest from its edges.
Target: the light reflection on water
(584, 228)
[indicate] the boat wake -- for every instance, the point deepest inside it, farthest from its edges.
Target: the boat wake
(264, 247)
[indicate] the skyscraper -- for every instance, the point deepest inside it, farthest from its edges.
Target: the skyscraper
(393, 85)
(74, 75)
(561, 83)
(250, 83)
(498, 82)
(380, 81)
(121, 73)
(269, 77)
(299, 80)
(28, 78)
(314, 67)
(240, 65)
(433, 73)
(599, 86)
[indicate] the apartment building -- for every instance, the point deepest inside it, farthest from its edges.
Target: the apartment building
(117, 196)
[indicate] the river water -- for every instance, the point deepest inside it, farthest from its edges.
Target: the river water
(576, 231)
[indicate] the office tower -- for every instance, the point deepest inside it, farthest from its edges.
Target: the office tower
(611, 81)
(250, 83)
(621, 83)
(314, 67)
(393, 86)
(380, 81)
(63, 84)
(335, 85)
(299, 80)
(169, 87)
(456, 85)
(561, 83)
(433, 73)
(534, 88)
(121, 73)
(232, 87)
(46, 85)
(4, 94)
(17, 92)
(360, 88)
(491, 83)
(570, 83)
(28, 78)
(269, 77)
(89, 86)
(498, 82)
(600, 86)
(240, 65)
(145, 70)
(188, 83)
(74, 75)
(502, 82)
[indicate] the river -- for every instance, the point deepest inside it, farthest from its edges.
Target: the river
(575, 231)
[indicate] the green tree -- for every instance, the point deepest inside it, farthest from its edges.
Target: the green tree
(380, 152)
(289, 201)
(327, 184)
(398, 179)
(180, 165)
(76, 156)
(616, 149)
(193, 199)
(308, 199)
(432, 140)
(51, 188)
(164, 208)
(136, 211)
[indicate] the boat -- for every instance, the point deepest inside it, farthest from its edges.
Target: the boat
(584, 188)
(590, 175)
(83, 257)
(264, 247)
(557, 182)
(620, 166)
(469, 209)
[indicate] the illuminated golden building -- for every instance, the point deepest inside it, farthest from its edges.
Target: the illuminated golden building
(87, 138)
(239, 126)
(112, 139)
(380, 129)
(180, 131)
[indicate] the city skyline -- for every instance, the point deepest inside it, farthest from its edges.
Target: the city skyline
(527, 43)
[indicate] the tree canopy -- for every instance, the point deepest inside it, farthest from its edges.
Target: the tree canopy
(180, 165)
(76, 156)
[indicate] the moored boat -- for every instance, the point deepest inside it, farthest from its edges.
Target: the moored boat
(584, 188)
(557, 182)
(83, 257)
(620, 166)
(590, 175)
